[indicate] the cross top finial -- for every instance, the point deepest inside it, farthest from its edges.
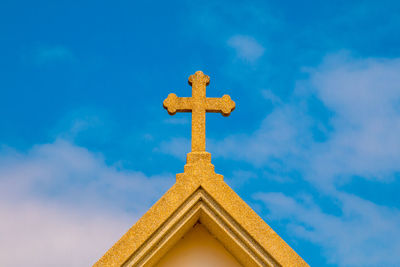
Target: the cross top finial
(199, 104)
(199, 77)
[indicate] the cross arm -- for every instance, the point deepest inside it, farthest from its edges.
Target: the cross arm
(224, 105)
(175, 104)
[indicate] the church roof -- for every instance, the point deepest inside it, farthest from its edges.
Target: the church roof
(201, 196)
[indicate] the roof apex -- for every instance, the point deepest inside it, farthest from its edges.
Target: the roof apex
(199, 182)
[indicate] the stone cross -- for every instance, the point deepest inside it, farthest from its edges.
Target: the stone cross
(199, 104)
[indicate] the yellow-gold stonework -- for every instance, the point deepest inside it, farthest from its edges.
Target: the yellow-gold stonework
(200, 196)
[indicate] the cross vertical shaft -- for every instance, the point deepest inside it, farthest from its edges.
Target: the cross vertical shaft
(199, 83)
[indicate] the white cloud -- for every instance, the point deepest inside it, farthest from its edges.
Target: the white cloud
(364, 99)
(177, 147)
(281, 135)
(364, 96)
(268, 95)
(240, 177)
(44, 234)
(364, 234)
(246, 47)
(62, 205)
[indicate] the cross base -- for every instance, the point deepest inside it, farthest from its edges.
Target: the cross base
(198, 167)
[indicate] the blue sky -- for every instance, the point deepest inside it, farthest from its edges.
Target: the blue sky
(313, 145)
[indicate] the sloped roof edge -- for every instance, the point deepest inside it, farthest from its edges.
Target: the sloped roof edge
(177, 199)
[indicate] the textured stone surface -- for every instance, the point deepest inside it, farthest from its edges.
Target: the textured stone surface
(200, 195)
(198, 105)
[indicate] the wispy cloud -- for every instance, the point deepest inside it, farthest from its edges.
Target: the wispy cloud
(281, 136)
(363, 99)
(364, 96)
(364, 234)
(268, 95)
(240, 177)
(246, 47)
(177, 147)
(63, 205)
(43, 234)
(360, 136)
